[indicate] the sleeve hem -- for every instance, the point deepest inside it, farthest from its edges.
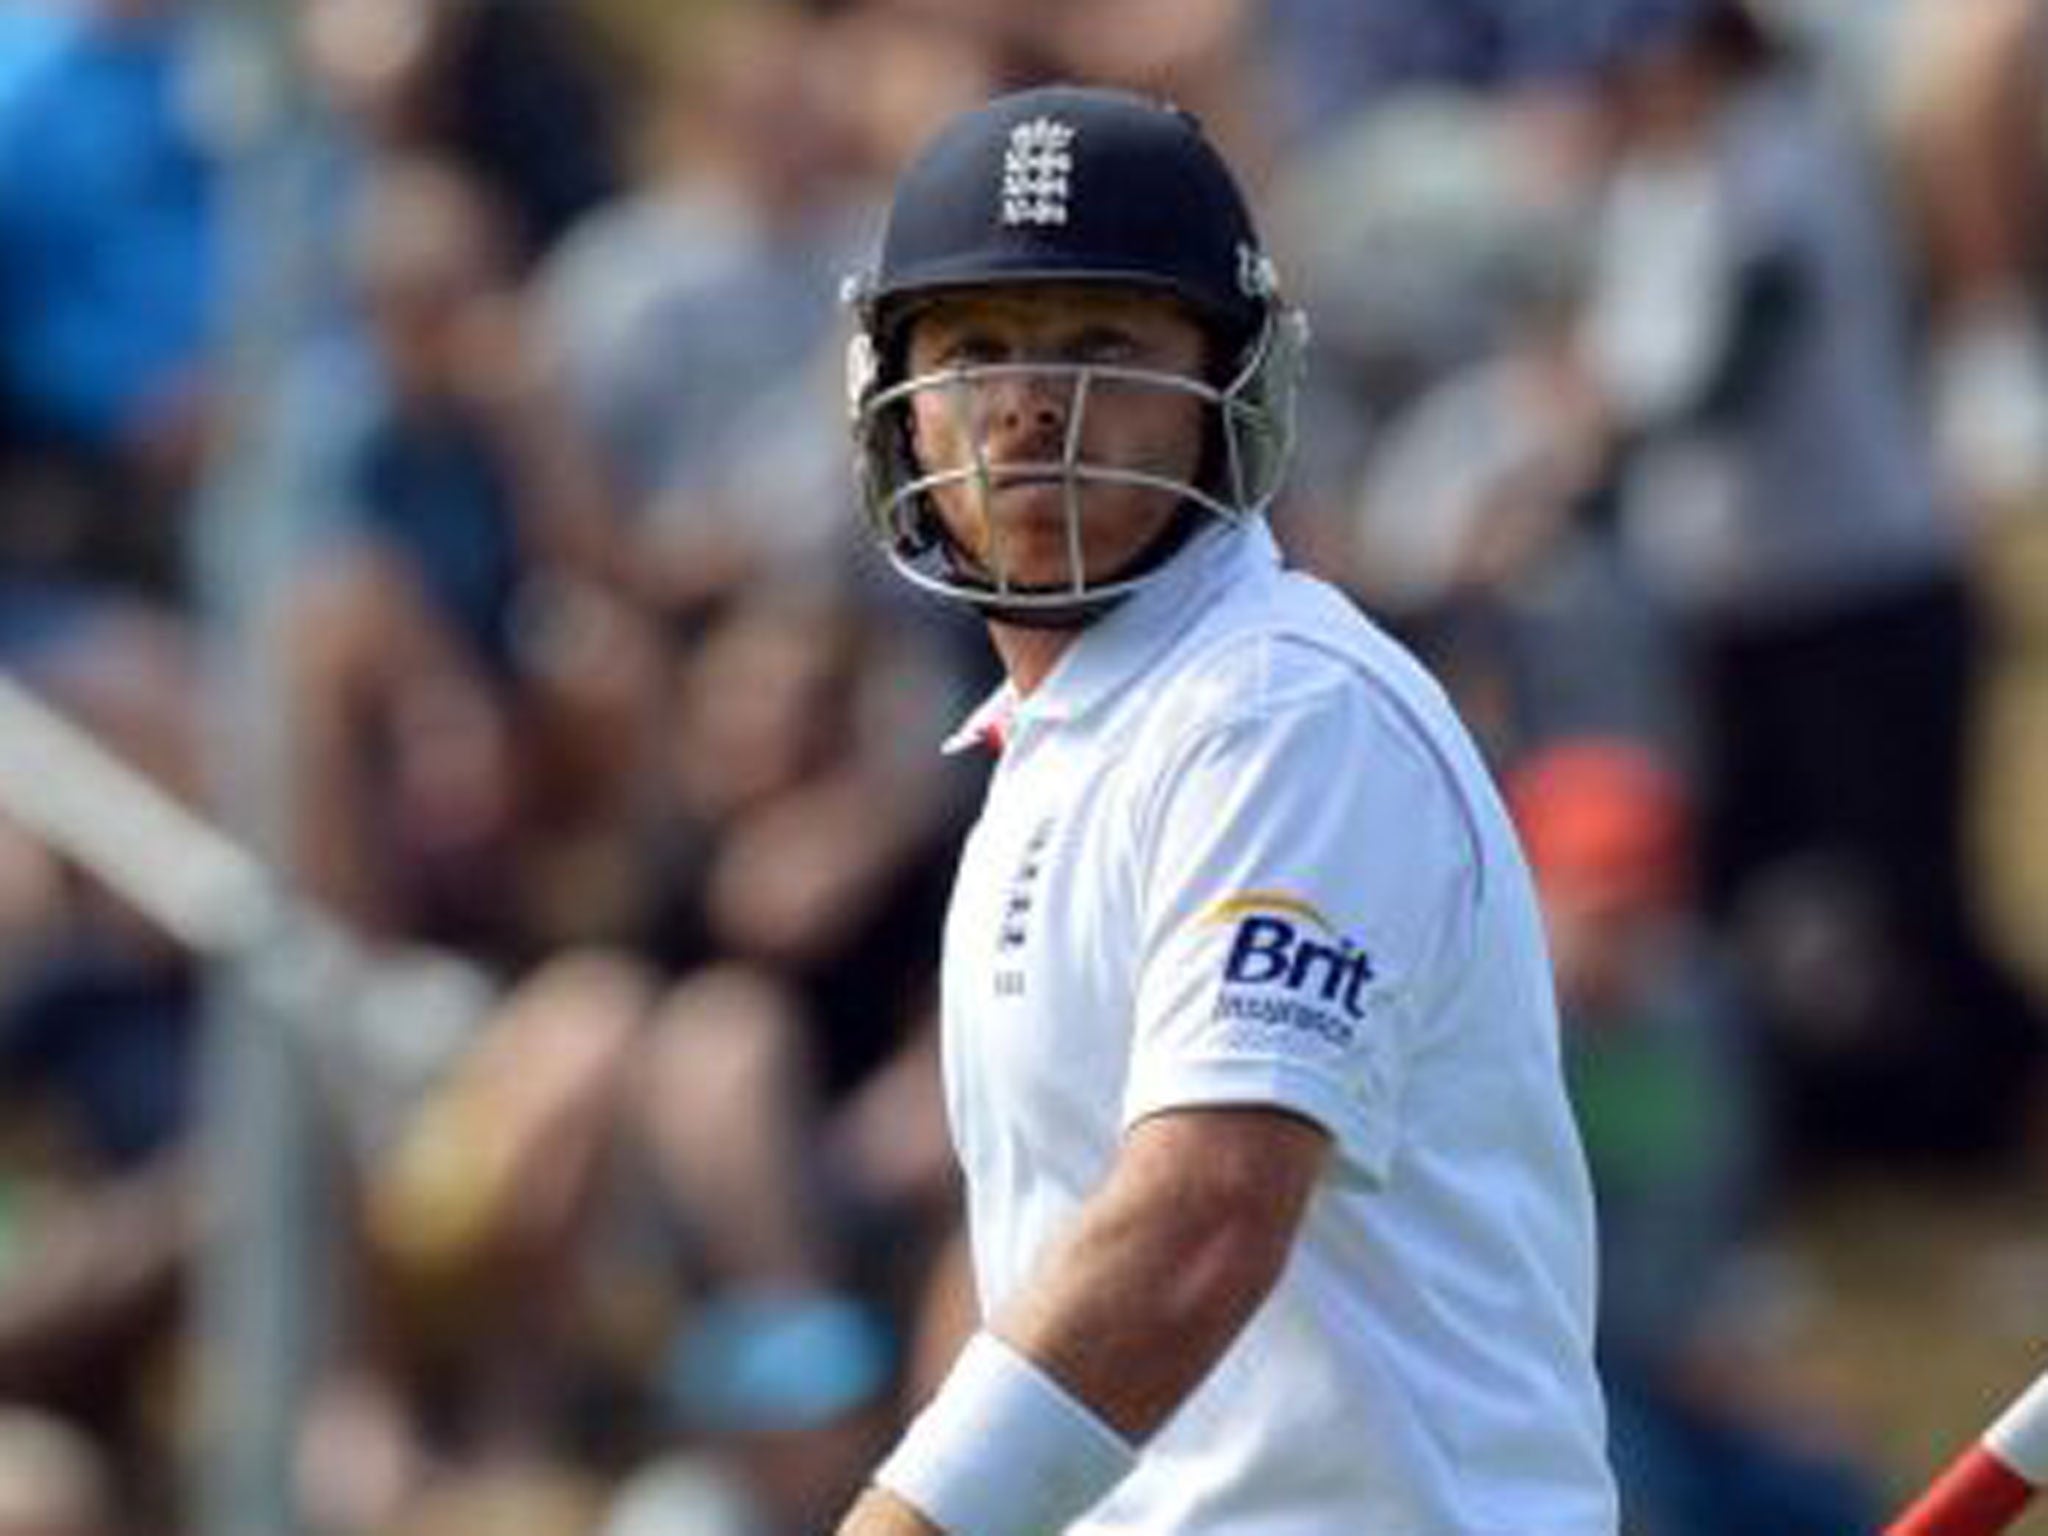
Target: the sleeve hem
(1364, 1146)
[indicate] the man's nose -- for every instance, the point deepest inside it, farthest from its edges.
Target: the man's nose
(1030, 406)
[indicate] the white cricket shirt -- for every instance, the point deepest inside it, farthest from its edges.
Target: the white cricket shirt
(1237, 849)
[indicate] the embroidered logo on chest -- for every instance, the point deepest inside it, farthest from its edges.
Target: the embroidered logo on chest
(1020, 899)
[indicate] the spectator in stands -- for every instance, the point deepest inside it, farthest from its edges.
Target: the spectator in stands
(1707, 1436)
(1337, 55)
(1476, 525)
(803, 847)
(460, 601)
(697, 1177)
(1967, 136)
(98, 1035)
(99, 1025)
(109, 270)
(519, 93)
(1747, 331)
(693, 321)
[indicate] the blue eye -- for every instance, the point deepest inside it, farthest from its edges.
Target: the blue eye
(1103, 346)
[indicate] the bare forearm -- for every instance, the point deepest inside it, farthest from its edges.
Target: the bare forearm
(1162, 1269)
(1168, 1261)
(1143, 1299)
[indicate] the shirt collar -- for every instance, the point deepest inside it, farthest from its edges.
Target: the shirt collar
(988, 726)
(1122, 644)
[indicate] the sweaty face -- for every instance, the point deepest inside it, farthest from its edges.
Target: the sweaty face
(1032, 415)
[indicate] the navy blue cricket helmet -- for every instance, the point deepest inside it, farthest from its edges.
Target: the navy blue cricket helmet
(1059, 185)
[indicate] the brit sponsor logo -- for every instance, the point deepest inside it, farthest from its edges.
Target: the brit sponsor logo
(1288, 967)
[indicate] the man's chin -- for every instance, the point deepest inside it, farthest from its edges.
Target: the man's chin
(1032, 583)
(1036, 548)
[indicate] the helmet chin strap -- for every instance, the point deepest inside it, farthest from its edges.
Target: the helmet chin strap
(1187, 521)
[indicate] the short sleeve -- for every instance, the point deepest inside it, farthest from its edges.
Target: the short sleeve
(1307, 876)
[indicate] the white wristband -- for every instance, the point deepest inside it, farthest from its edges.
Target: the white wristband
(1003, 1450)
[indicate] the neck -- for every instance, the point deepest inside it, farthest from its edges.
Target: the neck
(1029, 655)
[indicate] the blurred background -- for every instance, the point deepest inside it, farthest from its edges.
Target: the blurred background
(472, 838)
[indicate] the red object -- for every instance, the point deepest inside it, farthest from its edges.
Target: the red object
(1976, 1496)
(1604, 820)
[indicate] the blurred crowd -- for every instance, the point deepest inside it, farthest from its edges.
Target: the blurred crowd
(1679, 389)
